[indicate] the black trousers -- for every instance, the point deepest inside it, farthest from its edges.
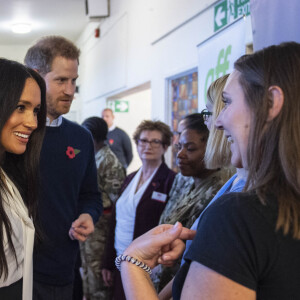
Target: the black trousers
(43, 291)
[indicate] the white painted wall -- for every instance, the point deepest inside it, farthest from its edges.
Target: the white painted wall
(15, 52)
(141, 41)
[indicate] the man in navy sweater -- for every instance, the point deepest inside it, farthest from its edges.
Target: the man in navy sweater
(117, 139)
(69, 201)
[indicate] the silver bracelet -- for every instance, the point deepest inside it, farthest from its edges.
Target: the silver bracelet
(132, 260)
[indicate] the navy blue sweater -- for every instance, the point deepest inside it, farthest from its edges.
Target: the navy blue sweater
(120, 144)
(68, 189)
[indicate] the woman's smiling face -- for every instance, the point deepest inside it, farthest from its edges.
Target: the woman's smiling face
(23, 121)
(235, 120)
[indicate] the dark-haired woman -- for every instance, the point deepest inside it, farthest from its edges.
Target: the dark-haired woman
(143, 196)
(247, 244)
(22, 124)
(191, 201)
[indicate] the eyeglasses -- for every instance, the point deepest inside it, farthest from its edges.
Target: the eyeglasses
(176, 133)
(177, 147)
(206, 114)
(154, 143)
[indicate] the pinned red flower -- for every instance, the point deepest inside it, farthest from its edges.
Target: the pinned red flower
(71, 152)
(111, 141)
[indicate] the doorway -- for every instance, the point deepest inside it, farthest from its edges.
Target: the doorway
(130, 108)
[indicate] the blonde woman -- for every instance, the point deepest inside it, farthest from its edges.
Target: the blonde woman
(217, 156)
(218, 152)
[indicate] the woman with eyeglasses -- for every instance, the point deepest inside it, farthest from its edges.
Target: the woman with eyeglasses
(143, 197)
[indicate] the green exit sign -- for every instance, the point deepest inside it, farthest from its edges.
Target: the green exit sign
(241, 8)
(227, 11)
(220, 15)
(118, 105)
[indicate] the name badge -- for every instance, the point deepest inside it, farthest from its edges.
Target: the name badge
(159, 197)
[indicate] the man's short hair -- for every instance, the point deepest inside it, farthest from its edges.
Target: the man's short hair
(108, 109)
(41, 55)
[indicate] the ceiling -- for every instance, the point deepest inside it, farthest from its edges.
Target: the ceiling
(48, 17)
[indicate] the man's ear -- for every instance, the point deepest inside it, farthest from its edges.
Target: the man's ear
(276, 100)
(38, 72)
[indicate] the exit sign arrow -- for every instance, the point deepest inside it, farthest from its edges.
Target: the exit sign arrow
(220, 16)
(121, 106)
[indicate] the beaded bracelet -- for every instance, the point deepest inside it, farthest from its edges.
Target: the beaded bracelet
(132, 260)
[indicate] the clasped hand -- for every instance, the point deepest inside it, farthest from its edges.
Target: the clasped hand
(160, 245)
(81, 228)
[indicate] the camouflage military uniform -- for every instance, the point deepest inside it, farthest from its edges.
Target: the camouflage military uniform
(181, 183)
(185, 206)
(111, 175)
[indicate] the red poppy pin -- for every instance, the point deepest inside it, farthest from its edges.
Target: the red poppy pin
(111, 141)
(71, 152)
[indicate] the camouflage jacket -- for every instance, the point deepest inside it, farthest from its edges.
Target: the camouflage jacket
(185, 206)
(111, 175)
(180, 186)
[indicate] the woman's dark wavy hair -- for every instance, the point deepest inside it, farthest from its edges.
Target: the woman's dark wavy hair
(273, 152)
(196, 122)
(22, 169)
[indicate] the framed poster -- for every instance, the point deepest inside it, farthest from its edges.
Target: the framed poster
(183, 96)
